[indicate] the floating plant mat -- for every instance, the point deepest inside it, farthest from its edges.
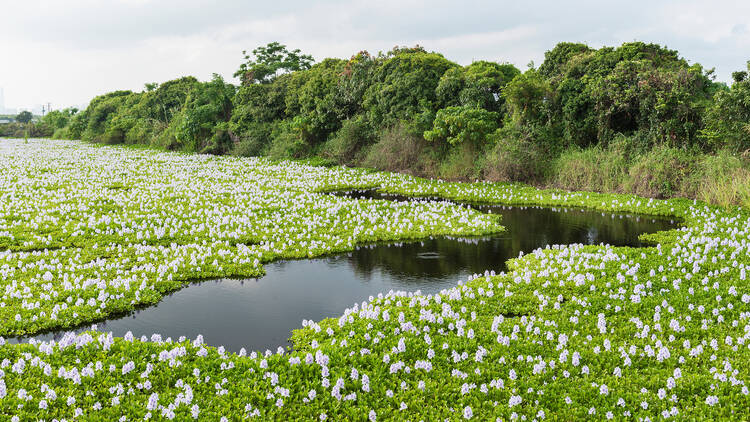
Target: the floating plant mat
(565, 333)
(260, 314)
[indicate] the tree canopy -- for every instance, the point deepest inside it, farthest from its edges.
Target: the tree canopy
(416, 103)
(24, 117)
(270, 61)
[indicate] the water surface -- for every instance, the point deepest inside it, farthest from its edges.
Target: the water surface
(259, 314)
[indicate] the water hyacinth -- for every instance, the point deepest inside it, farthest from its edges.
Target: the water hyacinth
(568, 332)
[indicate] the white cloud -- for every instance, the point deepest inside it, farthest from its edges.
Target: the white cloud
(66, 52)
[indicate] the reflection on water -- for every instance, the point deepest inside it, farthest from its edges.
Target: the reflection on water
(260, 314)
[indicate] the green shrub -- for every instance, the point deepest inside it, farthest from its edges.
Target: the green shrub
(400, 149)
(349, 144)
(291, 140)
(142, 131)
(512, 158)
(728, 118)
(220, 142)
(167, 138)
(404, 85)
(254, 140)
(63, 133)
(20, 130)
(479, 84)
(462, 162)
(462, 124)
(76, 126)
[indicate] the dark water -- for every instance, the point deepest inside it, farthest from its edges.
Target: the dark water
(259, 314)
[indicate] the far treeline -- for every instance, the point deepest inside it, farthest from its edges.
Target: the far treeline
(636, 118)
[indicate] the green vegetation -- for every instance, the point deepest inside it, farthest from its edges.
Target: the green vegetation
(614, 119)
(53, 124)
(24, 117)
(568, 333)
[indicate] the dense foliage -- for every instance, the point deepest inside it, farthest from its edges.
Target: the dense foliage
(728, 118)
(626, 106)
(24, 117)
(568, 333)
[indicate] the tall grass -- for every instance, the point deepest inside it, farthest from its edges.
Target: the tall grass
(593, 169)
(723, 179)
(734, 190)
(399, 149)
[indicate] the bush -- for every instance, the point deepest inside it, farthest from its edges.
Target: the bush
(167, 138)
(462, 124)
(76, 126)
(400, 149)
(21, 130)
(290, 142)
(63, 133)
(220, 142)
(349, 144)
(462, 163)
(479, 84)
(142, 131)
(728, 118)
(254, 141)
(512, 159)
(404, 85)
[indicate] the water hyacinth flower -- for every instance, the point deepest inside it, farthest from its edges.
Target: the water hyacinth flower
(561, 318)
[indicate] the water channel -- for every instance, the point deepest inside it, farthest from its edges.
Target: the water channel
(259, 314)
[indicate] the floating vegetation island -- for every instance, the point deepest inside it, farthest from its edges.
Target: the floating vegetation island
(568, 332)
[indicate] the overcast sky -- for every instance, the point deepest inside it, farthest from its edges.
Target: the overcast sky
(67, 51)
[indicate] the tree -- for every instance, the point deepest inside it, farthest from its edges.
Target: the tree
(479, 84)
(315, 99)
(58, 119)
(354, 81)
(24, 117)
(459, 125)
(404, 86)
(165, 100)
(728, 118)
(270, 61)
(202, 120)
(582, 96)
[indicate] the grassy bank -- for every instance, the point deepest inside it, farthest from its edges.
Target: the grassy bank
(720, 178)
(568, 332)
(635, 118)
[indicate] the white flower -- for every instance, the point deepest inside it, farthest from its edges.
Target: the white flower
(514, 400)
(153, 401)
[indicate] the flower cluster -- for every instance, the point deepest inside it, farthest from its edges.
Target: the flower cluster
(89, 232)
(567, 333)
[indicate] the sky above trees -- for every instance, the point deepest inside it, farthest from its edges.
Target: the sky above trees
(68, 52)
